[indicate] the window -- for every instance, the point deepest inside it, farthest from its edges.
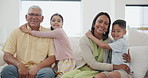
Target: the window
(137, 17)
(70, 10)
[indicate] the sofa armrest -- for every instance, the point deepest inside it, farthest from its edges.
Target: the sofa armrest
(1, 56)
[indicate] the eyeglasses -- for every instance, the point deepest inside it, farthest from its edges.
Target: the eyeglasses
(32, 14)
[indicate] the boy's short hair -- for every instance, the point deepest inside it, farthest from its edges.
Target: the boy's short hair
(121, 23)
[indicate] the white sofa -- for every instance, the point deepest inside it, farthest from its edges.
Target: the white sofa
(1, 58)
(138, 45)
(138, 50)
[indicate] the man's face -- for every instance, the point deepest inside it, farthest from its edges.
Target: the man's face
(34, 17)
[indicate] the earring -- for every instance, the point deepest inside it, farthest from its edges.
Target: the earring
(104, 32)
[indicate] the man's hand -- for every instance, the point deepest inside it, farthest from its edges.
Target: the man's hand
(11, 60)
(22, 71)
(33, 72)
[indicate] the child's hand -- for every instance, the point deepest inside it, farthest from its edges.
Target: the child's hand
(88, 34)
(25, 30)
(127, 57)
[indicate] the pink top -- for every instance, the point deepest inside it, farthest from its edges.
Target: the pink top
(61, 42)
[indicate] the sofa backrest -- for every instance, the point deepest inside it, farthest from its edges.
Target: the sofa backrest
(74, 42)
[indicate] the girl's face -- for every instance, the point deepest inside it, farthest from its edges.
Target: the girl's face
(101, 24)
(56, 22)
(117, 32)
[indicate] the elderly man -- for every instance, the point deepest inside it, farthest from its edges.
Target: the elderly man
(28, 56)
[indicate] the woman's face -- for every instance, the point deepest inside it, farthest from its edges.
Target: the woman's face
(101, 24)
(56, 22)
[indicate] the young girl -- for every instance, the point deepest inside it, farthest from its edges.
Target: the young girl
(63, 51)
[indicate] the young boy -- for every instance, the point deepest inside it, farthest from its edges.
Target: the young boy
(118, 47)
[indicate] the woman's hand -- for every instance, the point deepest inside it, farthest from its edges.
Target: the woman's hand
(88, 34)
(122, 66)
(127, 57)
(24, 29)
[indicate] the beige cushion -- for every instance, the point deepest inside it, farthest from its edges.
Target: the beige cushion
(139, 60)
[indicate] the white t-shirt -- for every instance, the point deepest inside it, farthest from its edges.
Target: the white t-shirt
(119, 47)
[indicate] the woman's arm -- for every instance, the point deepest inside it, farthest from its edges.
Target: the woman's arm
(97, 41)
(88, 57)
(122, 66)
(86, 51)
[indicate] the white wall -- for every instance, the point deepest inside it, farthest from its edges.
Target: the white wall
(90, 9)
(9, 17)
(137, 2)
(9, 13)
(116, 9)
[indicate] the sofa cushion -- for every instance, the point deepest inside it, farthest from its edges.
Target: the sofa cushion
(136, 38)
(139, 60)
(74, 42)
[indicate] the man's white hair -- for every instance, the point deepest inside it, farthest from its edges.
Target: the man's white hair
(35, 7)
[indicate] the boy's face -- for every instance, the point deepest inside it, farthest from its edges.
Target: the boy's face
(117, 32)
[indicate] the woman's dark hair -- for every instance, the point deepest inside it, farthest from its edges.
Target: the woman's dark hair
(56, 14)
(105, 35)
